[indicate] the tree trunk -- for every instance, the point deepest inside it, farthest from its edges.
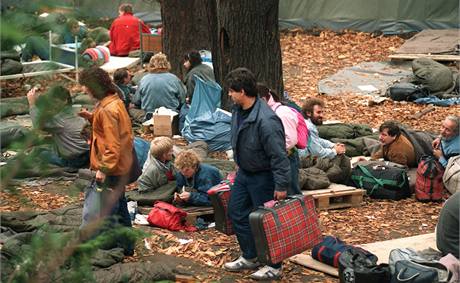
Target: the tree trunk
(248, 37)
(186, 26)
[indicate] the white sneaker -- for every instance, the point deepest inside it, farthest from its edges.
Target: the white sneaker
(241, 264)
(267, 273)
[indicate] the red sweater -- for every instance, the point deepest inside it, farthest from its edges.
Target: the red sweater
(124, 34)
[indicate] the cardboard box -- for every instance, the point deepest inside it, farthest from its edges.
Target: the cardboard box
(165, 125)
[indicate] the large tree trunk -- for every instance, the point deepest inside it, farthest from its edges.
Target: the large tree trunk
(248, 37)
(186, 26)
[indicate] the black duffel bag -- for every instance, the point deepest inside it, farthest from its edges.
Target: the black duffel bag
(381, 181)
(357, 265)
(407, 92)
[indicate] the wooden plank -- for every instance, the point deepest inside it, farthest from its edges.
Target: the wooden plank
(333, 187)
(351, 198)
(116, 62)
(382, 249)
(436, 57)
(309, 262)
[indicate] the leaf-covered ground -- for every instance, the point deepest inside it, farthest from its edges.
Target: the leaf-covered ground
(306, 59)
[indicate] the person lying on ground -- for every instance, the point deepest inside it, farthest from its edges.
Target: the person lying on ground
(159, 88)
(448, 143)
(124, 31)
(159, 170)
(394, 146)
(194, 179)
(289, 120)
(319, 148)
(52, 112)
(194, 66)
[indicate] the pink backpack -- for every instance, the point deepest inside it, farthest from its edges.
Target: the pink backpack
(302, 130)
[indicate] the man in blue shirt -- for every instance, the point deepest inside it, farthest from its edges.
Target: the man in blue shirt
(448, 144)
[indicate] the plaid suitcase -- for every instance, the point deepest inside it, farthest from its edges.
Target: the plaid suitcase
(288, 228)
(220, 196)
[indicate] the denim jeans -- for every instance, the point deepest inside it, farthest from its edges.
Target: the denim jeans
(249, 191)
(52, 157)
(294, 163)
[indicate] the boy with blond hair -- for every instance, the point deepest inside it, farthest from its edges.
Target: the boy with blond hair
(158, 169)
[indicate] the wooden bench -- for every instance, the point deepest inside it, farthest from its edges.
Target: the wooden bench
(337, 196)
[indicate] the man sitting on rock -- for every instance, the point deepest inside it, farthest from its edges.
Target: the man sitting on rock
(395, 147)
(448, 144)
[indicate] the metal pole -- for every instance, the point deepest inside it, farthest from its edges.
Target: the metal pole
(76, 58)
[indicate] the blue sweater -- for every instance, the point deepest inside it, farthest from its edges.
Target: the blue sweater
(205, 178)
(159, 89)
(449, 148)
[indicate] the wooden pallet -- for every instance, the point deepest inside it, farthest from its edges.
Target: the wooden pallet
(337, 196)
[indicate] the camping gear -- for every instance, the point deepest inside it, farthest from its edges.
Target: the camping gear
(436, 77)
(220, 196)
(381, 181)
(329, 250)
(419, 272)
(408, 266)
(313, 179)
(451, 177)
(428, 183)
(205, 121)
(286, 228)
(357, 265)
(407, 92)
(165, 215)
(99, 54)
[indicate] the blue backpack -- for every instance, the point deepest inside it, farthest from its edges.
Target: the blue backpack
(329, 250)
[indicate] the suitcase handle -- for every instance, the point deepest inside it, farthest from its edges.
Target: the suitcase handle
(300, 198)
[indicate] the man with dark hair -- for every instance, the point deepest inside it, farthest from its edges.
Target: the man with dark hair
(448, 143)
(263, 167)
(52, 113)
(313, 110)
(395, 147)
(194, 66)
(124, 32)
(331, 155)
(111, 147)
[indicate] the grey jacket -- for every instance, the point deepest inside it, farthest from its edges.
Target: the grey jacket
(153, 176)
(65, 128)
(258, 143)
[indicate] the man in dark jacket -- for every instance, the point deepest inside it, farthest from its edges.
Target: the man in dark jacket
(263, 166)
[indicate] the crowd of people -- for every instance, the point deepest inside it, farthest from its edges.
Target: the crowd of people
(264, 140)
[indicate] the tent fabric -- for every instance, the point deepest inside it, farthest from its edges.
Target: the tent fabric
(389, 17)
(205, 121)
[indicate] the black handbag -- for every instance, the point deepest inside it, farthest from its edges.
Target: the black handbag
(407, 92)
(357, 265)
(410, 271)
